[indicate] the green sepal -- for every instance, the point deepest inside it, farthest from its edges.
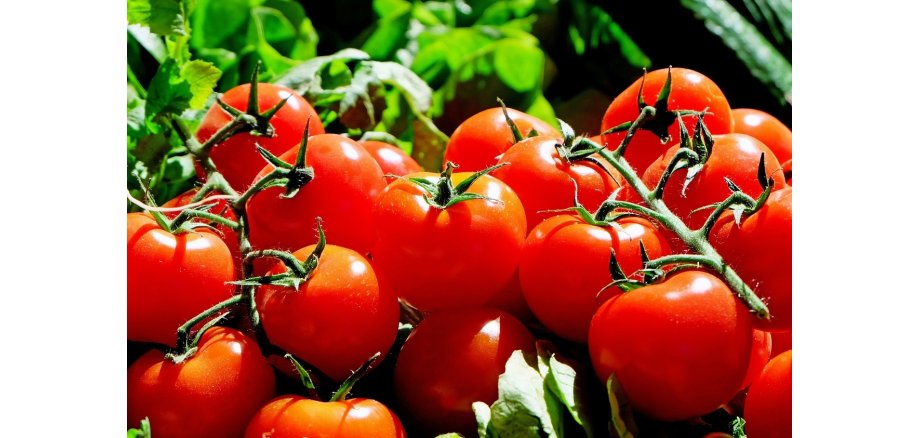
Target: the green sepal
(273, 159)
(346, 386)
(515, 131)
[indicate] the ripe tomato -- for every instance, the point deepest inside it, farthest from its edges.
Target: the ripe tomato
(761, 348)
(764, 235)
(237, 158)
(292, 416)
(452, 359)
(734, 156)
(543, 180)
(565, 264)
(766, 128)
(220, 208)
(480, 139)
(679, 348)
(392, 159)
(172, 278)
(768, 407)
(342, 292)
(214, 393)
(511, 300)
(782, 342)
(689, 91)
(458, 256)
(346, 181)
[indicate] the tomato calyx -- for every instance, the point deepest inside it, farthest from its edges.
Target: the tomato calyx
(443, 193)
(297, 273)
(515, 131)
(292, 177)
(185, 347)
(343, 390)
(183, 222)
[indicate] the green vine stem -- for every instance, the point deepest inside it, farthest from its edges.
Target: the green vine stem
(184, 348)
(346, 386)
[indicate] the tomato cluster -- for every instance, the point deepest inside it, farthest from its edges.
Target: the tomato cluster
(648, 249)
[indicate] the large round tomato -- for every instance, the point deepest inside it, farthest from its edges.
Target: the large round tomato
(764, 235)
(458, 256)
(237, 158)
(734, 156)
(543, 180)
(214, 393)
(220, 208)
(480, 139)
(392, 159)
(768, 407)
(346, 180)
(565, 264)
(292, 416)
(679, 348)
(172, 278)
(766, 128)
(689, 91)
(336, 319)
(452, 359)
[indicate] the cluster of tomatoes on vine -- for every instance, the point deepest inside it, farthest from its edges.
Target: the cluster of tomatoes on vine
(658, 244)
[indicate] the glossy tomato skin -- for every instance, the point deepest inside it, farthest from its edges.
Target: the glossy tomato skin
(292, 416)
(761, 348)
(392, 159)
(480, 139)
(565, 264)
(172, 278)
(768, 407)
(452, 359)
(212, 394)
(766, 128)
(335, 320)
(346, 181)
(511, 300)
(690, 90)
(459, 256)
(543, 180)
(221, 208)
(680, 348)
(764, 235)
(237, 158)
(734, 156)
(782, 342)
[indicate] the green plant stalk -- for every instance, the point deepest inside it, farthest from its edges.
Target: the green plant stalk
(183, 346)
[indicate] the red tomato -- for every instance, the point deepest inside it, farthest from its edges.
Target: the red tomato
(480, 139)
(292, 416)
(766, 128)
(768, 407)
(764, 235)
(237, 158)
(689, 91)
(782, 342)
(459, 256)
(543, 180)
(565, 263)
(392, 159)
(734, 156)
(172, 278)
(346, 181)
(452, 359)
(214, 393)
(342, 292)
(679, 348)
(511, 300)
(220, 208)
(760, 355)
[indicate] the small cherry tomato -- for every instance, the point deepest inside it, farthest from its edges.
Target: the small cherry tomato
(480, 139)
(766, 128)
(392, 159)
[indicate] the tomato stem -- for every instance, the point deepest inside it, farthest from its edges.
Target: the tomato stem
(183, 346)
(346, 386)
(515, 131)
(305, 378)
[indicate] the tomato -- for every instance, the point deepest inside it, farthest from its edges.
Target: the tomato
(214, 393)
(452, 359)
(690, 90)
(335, 320)
(458, 256)
(172, 278)
(543, 180)
(760, 354)
(768, 407)
(292, 416)
(766, 128)
(679, 348)
(480, 139)
(734, 156)
(392, 159)
(346, 181)
(220, 208)
(237, 158)
(764, 235)
(565, 264)
(511, 300)
(782, 342)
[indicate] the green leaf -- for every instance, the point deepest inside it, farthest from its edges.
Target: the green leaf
(201, 76)
(428, 143)
(449, 435)
(150, 42)
(738, 428)
(523, 408)
(215, 21)
(389, 33)
(593, 29)
(620, 412)
(142, 432)
(543, 110)
(163, 17)
(483, 419)
(174, 89)
(136, 119)
(306, 78)
(762, 58)
(519, 65)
